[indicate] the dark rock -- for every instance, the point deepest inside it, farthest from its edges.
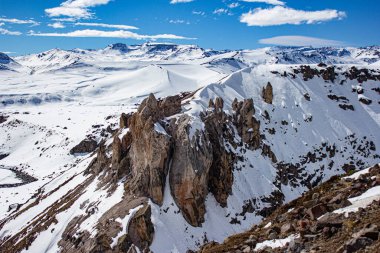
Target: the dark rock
(85, 146)
(328, 74)
(2, 156)
(357, 243)
(316, 211)
(307, 96)
(365, 101)
(3, 118)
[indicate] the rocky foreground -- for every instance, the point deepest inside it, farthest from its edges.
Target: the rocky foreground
(341, 215)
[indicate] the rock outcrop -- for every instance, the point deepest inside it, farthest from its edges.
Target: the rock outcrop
(267, 93)
(141, 229)
(150, 149)
(247, 125)
(189, 170)
(85, 146)
(3, 118)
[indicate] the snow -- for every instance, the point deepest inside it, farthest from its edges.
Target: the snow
(159, 129)
(361, 201)
(268, 225)
(277, 243)
(8, 177)
(54, 98)
(124, 225)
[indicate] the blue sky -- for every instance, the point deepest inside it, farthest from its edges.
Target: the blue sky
(28, 26)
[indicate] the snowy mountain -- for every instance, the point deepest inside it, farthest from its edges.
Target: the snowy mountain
(166, 147)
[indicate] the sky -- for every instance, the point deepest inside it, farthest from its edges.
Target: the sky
(31, 26)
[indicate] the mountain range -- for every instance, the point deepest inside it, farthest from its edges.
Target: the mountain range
(164, 148)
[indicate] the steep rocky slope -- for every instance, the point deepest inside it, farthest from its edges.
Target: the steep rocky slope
(181, 169)
(340, 215)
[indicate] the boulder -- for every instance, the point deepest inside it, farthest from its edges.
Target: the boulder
(287, 228)
(85, 146)
(356, 244)
(316, 211)
(331, 220)
(141, 228)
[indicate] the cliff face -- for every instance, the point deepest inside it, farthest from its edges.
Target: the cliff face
(187, 169)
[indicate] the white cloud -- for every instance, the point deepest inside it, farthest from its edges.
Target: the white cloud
(19, 21)
(233, 5)
(180, 1)
(75, 8)
(123, 27)
(272, 2)
(279, 15)
(201, 13)
(300, 41)
(64, 19)
(57, 25)
(222, 11)
(7, 32)
(179, 21)
(110, 34)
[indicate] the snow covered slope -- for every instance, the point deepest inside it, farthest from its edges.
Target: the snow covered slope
(281, 121)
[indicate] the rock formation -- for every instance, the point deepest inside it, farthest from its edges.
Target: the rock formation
(267, 93)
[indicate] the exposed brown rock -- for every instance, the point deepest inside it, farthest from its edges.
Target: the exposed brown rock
(267, 93)
(170, 105)
(328, 74)
(124, 118)
(149, 152)
(316, 211)
(141, 229)
(191, 163)
(247, 125)
(220, 174)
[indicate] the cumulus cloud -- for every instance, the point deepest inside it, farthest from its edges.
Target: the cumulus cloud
(300, 41)
(279, 15)
(4, 31)
(180, 1)
(122, 27)
(110, 34)
(272, 2)
(75, 8)
(19, 21)
(57, 25)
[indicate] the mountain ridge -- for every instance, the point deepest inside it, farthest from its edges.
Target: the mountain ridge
(160, 153)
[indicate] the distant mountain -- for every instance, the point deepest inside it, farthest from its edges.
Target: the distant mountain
(56, 59)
